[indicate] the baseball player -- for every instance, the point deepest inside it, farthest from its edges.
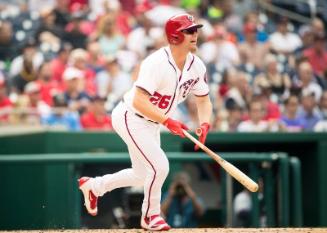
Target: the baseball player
(165, 79)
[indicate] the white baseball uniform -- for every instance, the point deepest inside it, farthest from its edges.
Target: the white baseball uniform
(168, 86)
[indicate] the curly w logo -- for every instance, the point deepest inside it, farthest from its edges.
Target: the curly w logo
(190, 18)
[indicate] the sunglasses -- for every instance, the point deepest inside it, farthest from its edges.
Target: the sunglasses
(190, 31)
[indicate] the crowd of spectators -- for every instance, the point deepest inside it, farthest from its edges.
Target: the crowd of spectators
(66, 63)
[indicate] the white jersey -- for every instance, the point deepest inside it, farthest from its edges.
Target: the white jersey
(167, 85)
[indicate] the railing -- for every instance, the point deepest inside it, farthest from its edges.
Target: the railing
(290, 14)
(60, 171)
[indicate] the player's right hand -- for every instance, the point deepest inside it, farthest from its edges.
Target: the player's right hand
(202, 132)
(175, 127)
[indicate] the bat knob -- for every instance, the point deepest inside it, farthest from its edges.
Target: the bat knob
(198, 131)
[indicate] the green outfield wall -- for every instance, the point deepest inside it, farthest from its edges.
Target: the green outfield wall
(310, 148)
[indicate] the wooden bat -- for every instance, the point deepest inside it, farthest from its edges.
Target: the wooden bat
(229, 168)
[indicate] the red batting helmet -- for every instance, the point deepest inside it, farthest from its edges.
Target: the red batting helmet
(176, 24)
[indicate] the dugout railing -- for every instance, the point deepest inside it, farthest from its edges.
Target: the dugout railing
(40, 190)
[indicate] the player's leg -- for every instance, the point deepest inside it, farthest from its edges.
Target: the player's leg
(92, 188)
(127, 177)
(149, 163)
(146, 142)
(134, 176)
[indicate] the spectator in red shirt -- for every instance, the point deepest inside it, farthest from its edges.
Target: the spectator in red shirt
(96, 117)
(317, 54)
(5, 103)
(58, 65)
(272, 112)
(48, 87)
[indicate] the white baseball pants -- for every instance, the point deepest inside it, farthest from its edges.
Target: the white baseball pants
(150, 165)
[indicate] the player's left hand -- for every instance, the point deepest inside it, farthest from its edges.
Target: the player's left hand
(202, 132)
(175, 127)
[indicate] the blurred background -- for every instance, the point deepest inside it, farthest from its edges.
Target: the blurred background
(64, 65)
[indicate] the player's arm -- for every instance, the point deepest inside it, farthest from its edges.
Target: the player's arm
(142, 104)
(204, 107)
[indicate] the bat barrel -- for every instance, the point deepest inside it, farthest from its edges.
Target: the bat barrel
(229, 168)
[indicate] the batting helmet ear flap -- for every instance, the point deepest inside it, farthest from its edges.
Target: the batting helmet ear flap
(176, 38)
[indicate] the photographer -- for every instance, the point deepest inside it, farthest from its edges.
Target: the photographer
(180, 204)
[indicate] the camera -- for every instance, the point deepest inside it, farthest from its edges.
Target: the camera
(180, 191)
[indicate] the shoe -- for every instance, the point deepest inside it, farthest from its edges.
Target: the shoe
(154, 223)
(90, 199)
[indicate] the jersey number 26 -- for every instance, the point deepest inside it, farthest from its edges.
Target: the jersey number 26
(161, 100)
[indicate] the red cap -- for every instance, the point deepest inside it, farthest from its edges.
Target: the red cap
(143, 7)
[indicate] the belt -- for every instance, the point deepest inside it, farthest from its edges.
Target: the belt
(138, 115)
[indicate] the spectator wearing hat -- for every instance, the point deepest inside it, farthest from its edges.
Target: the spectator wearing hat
(6, 105)
(34, 107)
(96, 117)
(251, 51)
(283, 41)
(317, 54)
(78, 59)
(228, 119)
(75, 98)
(306, 34)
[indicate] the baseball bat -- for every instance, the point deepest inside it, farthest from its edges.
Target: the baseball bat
(246, 181)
